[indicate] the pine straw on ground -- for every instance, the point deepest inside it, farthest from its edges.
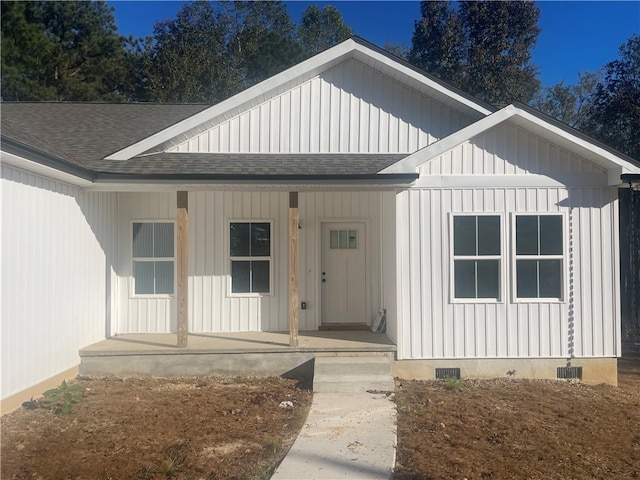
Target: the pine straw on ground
(520, 429)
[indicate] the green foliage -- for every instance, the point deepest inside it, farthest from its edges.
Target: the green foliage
(322, 29)
(63, 51)
(454, 384)
(213, 50)
(604, 104)
(482, 47)
(614, 116)
(65, 396)
(569, 103)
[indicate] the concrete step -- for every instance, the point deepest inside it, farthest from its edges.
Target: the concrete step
(353, 365)
(352, 373)
(352, 383)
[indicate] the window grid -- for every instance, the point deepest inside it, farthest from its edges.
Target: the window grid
(486, 258)
(250, 258)
(153, 258)
(554, 262)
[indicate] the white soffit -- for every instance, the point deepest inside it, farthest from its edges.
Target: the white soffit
(528, 121)
(285, 80)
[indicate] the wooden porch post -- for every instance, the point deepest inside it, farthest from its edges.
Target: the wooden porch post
(182, 267)
(293, 269)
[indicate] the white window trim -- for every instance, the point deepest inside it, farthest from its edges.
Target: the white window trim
(132, 289)
(231, 259)
(563, 258)
(500, 258)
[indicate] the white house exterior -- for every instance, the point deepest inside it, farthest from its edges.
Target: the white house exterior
(488, 236)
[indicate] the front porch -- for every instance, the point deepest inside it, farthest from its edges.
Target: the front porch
(250, 353)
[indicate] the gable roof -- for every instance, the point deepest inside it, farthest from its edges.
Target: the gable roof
(84, 132)
(353, 48)
(536, 122)
(75, 138)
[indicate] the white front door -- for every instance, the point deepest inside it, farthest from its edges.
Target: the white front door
(343, 273)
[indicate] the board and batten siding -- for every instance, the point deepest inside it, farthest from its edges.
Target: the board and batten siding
(58, 248)
(351, 108)
(585, 324)
(144, 314)
(211, 307)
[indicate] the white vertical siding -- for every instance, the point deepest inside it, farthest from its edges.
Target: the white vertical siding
(509, 150)
(142, 314)
(585, 324)
(58, 247)
(211, 307)
(348, 109)
(434, 327)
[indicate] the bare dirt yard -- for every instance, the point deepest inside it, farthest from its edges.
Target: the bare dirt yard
(234, 428)
(150, 428)
(520, 429)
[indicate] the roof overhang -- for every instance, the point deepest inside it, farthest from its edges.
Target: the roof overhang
(616, 164)
(35, 161)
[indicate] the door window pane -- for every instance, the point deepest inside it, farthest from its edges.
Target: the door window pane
(343, 239)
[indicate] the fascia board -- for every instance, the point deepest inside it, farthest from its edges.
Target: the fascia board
(293, 75)
(37, 168)
(614, 164)
(423, 79)
(410, 163)
(308, 68)
(599, 155)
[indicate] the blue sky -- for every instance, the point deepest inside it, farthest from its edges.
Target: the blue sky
(576, 35)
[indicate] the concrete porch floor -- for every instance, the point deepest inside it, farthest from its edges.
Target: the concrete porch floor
(243, 342)
(254, 353)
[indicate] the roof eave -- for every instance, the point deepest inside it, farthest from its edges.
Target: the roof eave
(37, 156)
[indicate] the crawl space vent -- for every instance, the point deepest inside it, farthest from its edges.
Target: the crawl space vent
(445, 373)
(570, 372)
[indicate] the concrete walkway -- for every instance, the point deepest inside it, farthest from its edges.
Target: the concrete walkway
(346, 435)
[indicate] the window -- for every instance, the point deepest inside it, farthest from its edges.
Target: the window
(153, 258)
(343, 239)
(250, 252)
(476, 256)
(539, 256)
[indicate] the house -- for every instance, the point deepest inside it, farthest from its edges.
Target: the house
(349, 186)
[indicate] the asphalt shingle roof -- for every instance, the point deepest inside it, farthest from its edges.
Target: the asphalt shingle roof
(83, 134)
